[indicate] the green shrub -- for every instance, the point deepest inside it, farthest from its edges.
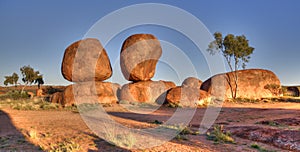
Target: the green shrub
(218, 135)
(259, 148)
(15, 95)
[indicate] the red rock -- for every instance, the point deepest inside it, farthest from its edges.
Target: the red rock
(86, 60)
(145, 91)
(139, 56)
(251, 84)
(57, 97)
(39, 92)
(89, 92)
(192, 82)
(187, 97)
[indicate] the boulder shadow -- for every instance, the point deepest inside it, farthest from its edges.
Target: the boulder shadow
(11, 139)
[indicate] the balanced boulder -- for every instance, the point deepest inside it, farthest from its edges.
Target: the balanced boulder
(187, 97)
(91, 92)
(145, 91)
(86, 60)
(192, 82)
(139, 56)
(251, 84)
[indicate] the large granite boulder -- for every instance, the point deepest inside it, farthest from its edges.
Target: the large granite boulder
(91, 92)
(192, 82)
(252, 84)
(187, 97)
(86, 60)
(139, 56)
(145, 91)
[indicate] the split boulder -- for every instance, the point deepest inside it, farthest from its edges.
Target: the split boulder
(187, 97)
(145, 91)
(91, 92)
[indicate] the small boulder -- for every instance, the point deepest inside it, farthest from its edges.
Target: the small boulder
(192, 82)
(187, 97)
(30, 94)
(91, 92)
(57, 97)
(145, 91)
(39, 93)
(86, 60)
(139, 56)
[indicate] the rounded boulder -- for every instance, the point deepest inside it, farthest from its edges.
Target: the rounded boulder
(187, 97)
(139, 56)
(86, 60)
(192, 82)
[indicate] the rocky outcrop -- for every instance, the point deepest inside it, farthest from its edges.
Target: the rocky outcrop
(139, 56)
(87, 64)
(91, 92)
(192, 82)
(86, 60)
(145, 91)
(252, 84)
(187, 97)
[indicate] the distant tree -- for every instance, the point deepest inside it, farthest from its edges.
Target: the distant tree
(13, 79)
(31, 76)
(236, 51)
(39, 81)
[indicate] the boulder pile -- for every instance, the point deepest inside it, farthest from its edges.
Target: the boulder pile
(139, 56)
(86, 63)
(188, 94)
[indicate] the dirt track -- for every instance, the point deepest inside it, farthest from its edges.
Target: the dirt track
(54, 127)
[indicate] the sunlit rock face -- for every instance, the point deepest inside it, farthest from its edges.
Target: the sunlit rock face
(139, 56)
(86, 60)
(252, 84)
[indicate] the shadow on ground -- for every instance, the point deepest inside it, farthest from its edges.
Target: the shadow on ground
(11, 139)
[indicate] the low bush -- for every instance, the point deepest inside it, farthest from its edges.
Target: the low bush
(14, 95)
(218, 135)
(259, 148)
(27, 104)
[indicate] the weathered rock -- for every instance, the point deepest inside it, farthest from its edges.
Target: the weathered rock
(187, 97)
(251, 84)
(91, 92)
(192, 82)
(57, 97)
(139, 56)
(86, 60)
(145, 91)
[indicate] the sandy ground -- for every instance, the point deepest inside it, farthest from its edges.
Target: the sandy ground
(37, 130)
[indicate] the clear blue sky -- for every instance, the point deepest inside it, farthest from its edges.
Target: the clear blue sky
(36, 33)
